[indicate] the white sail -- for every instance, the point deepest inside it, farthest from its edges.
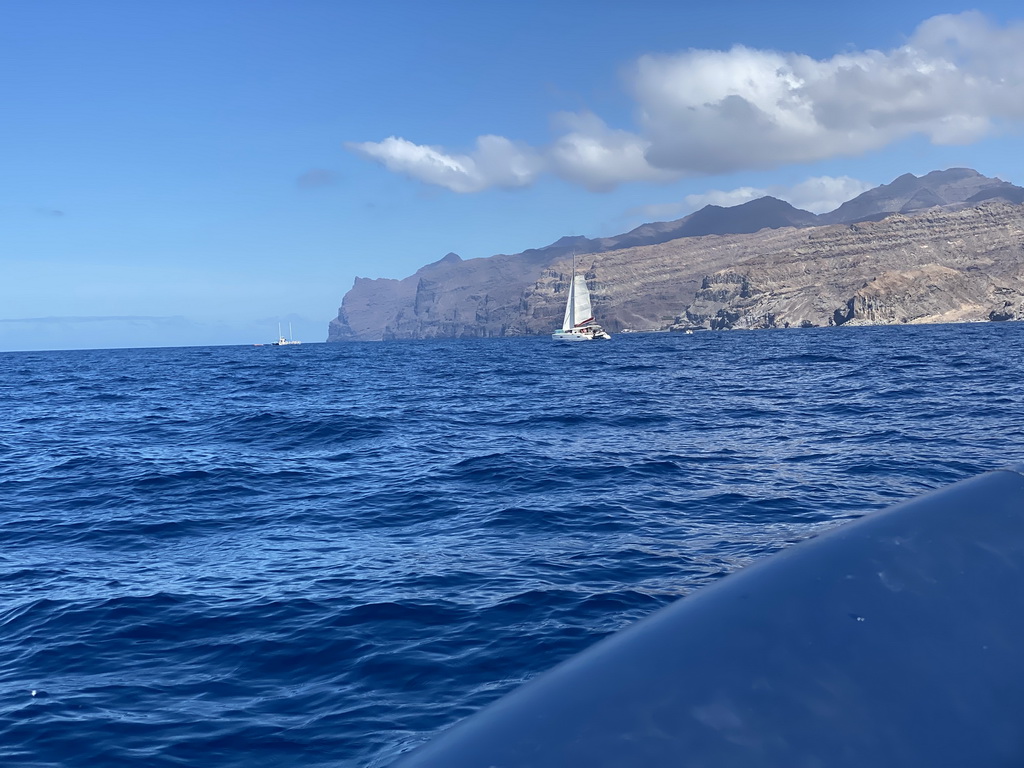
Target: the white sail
(567, 321)
(577, 306)
(578, 323)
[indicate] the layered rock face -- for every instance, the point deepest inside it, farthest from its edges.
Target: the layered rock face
(497, 296)
(944, 266)
(957, 261)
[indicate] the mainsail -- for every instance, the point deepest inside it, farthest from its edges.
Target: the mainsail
(577, 308)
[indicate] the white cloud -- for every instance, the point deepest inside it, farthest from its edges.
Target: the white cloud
(690, 203)
(599, 158)
(817, 195)
(719, 111)
(958, 79)
(725, 199)
(496, 162)
(821, 193)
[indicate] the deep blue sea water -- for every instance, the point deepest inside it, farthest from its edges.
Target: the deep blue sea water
(320, 555)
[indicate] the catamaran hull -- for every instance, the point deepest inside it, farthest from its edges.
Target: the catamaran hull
(575, 336)
(569, 337)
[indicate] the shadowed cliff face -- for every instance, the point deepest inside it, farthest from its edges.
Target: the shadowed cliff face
(450, 298)
(957, 262)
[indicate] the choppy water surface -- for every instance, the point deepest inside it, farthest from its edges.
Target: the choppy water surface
(320, 555)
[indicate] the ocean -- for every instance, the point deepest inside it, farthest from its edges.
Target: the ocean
(321, 555)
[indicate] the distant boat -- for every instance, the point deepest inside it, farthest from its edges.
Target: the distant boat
(281, 340)
(578, 323)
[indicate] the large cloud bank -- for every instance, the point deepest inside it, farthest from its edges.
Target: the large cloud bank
(958, 79)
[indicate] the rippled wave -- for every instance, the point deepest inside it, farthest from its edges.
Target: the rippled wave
(320, 555)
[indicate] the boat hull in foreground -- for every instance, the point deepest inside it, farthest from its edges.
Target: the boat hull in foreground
(892, 641)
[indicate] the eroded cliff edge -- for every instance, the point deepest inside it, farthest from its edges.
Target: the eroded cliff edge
(947, 264)
(940, 266)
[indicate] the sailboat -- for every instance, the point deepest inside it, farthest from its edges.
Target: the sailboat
(281, 340)
(578, 323)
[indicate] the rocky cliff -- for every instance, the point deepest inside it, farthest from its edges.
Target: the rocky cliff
(952, 259)
(491, 297)
(943, 266)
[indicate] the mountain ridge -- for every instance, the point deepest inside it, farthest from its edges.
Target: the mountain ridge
(499, 295)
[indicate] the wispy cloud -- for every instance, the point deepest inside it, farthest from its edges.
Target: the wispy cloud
(99, 331)
(73, 319)
(495, 162)
(821, 193)
(818, 195)
(958, 79)
(316, 178)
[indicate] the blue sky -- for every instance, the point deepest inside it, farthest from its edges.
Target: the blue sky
(182, 172)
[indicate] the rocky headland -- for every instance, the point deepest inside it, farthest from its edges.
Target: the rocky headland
(945, 247)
